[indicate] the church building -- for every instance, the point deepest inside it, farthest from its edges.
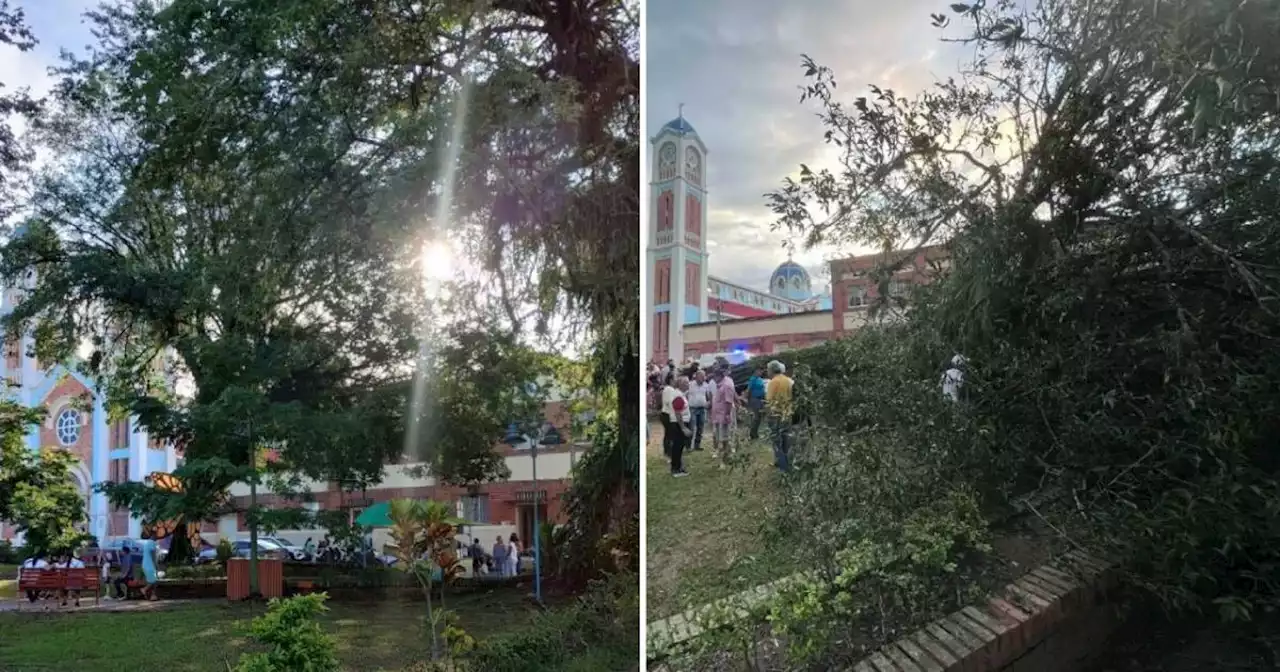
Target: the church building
(697, 315)
(76, 420)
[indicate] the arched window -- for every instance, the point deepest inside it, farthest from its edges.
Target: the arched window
(68, 426)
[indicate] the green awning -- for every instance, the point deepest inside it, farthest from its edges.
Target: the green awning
(378, 515)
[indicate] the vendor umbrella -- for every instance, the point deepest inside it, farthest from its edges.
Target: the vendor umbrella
(378, 515)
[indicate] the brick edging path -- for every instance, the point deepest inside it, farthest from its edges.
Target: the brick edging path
(666, 635)
(1050, 620)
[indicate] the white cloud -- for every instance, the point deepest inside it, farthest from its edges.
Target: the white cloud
(736, 66)
(51, 22)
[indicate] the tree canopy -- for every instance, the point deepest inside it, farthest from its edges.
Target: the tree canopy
(1105, 177)
(240, 195)
(37, 493)
(15, 155)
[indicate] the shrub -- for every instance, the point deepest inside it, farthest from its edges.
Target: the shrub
(210, 571)
(297, 643)
(605, 618)
(8, 554)
(223, 552)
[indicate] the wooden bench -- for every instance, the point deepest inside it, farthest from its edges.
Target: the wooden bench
(56, 580)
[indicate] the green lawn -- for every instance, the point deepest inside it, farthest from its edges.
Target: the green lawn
(8, 581)
(704, 536)
(207, 636)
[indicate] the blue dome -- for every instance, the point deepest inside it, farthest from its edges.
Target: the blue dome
(680, 125)
(791, 281)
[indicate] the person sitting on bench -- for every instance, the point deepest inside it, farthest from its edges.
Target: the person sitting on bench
(126, 573)
(71, 562)
(34, 562)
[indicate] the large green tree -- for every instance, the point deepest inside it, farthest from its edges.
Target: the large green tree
(37, 493)
(554, 180)
(1105, 175)
(196, 226)
(246, 189)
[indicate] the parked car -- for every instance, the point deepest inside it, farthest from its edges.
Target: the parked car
(266, 549)
(164, 545)
(240, 549)
(207, 554)
(295, 552)
(111, 549)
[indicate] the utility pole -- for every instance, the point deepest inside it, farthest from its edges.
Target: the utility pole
(719, 314)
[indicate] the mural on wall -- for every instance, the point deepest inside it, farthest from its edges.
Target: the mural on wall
(163, 529)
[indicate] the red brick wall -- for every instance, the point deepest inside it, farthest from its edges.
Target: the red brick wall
(662, 281)
(916, 272)
(666, 211)
(737, 309)
(692, 221)
(660, 342)
(118, 523)
(68, 389)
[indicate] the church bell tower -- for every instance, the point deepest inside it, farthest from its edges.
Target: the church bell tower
(676, 253)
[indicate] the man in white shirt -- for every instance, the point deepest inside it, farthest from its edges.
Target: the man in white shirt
(72, 562)
(675, 421)
(700, 393)
(953, 379)
(34, 562)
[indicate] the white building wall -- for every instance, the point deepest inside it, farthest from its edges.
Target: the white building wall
(551, 466)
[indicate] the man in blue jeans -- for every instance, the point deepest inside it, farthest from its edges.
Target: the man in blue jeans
(126, 572)
(699, 394)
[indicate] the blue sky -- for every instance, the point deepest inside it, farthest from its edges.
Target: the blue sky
(735, 64)
(58, 24)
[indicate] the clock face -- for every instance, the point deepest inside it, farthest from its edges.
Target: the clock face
(667, 156)
(692, 164)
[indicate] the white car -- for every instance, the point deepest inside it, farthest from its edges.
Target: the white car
(295, 553)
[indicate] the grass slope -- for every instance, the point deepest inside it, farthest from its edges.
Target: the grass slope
(704, 538)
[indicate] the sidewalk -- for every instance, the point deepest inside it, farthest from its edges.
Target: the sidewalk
(51, 607)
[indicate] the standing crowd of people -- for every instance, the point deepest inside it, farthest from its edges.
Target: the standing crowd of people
(690, 399)
(505, 559)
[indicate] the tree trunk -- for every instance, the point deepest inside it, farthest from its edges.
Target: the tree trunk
(254, 592)
(630, 402)
(180, 550)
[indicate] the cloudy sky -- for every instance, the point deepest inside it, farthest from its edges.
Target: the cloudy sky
(58, 25)
(735, 64)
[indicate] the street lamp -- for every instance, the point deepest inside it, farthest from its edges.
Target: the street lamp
(546, 435)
